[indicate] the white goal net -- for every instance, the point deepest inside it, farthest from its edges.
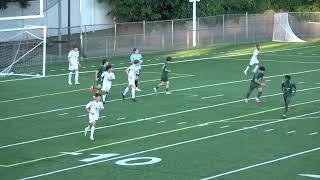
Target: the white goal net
(282, 31)
(23, 51)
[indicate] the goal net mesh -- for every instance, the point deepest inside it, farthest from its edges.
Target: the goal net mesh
(282, 31)
(22, 51)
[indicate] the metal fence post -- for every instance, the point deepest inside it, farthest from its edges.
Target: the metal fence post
(222, 27)
(115, 38)
(198, 31)
(247, 35)
(144, 33)
(106, 46)
(162, 41)
(188, 43)
(85, 39)
(172, 33)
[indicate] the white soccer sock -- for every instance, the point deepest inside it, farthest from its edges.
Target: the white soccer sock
(104, 97)
(92, 131)
(70, 76)
(133, 93)
(77, 77)
(247, 68)
(126, 91)
(255, 69)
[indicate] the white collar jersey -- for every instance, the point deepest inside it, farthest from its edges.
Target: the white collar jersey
(73, 55)
(107, 75)
(95, 108)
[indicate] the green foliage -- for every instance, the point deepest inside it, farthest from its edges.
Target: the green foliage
(138, 10)
(23, 3)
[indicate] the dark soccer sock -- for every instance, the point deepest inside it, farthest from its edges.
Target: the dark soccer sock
(259, 95)
(136, 83)
(167, 89)
(248, 94)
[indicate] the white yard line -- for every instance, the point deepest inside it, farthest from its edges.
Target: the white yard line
(87, 89)
(208, 97)
(291, 132)
(182, 123)
(222, 127)
(161, 122)
(82, 115)
(178, 144)
(268, 130)
(160, 116)
(122, 118)
(314, 133)
(262, 164)
(146, 65)
(62, 114)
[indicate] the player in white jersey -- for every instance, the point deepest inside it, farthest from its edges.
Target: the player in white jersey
(94, 108)
(254, 60)
(73, 59)
(107, 76)
(132, 76)
(136, 56)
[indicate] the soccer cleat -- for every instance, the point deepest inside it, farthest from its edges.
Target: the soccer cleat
(134, 100)
(91, 88)
(104, 102)
(77, 83)
(246, 100)
(91, 138)
(123, 96)
(284, 116)
(245, 73)
(70, 83)
(168, 93)
(86, 131)
(258, 100)
(137, 89)
(155, 90)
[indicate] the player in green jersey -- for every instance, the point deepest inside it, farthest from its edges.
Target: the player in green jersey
(289, 89)
(256, 83)
(164, 76)
(98, 73)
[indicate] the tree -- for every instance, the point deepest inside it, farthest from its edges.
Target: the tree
(138, 10)
(23, 3)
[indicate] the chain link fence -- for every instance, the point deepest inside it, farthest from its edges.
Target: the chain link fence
(104, 40)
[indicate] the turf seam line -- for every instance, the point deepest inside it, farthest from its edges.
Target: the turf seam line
(166, 146)
(140, 120)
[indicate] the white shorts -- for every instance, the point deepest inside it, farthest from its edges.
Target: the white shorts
(93, 118)
(106, 87)
(131, 81)
(73, 66)
(253, 62)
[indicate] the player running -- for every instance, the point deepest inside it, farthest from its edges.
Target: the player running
(256, 83)
(289, 90)
(254, 60)
(136, 56)
(74, 64)
(164, 77)
(107, 76)
(94, 108)
(132, 75)
(98, 74)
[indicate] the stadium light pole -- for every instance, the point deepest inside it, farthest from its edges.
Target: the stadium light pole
(194, 22)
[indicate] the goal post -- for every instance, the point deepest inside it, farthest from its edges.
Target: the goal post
(282, 31)
(23, 51)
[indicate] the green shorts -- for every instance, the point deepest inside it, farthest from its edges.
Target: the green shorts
(254, 86)
(287, 98)
(165, 79)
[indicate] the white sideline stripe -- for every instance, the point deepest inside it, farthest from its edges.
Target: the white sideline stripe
(222, 127)
(161, 122)
(310, 175)
(65, 92)
(301, 82)
(268, 130)
(208, 97)
(196, 95)
(146, 65)
(62, 114)
(82, 115)
(314, 133)
(166, 146)
(182, 122)
(159, 116)
(263, 163)
(290, 132)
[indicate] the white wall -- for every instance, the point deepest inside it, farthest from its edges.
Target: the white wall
(92, 13)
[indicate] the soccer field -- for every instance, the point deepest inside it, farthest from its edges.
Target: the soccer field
(204, 130)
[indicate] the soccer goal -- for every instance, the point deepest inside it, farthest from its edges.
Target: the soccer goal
(282, 31)
(23, 51)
